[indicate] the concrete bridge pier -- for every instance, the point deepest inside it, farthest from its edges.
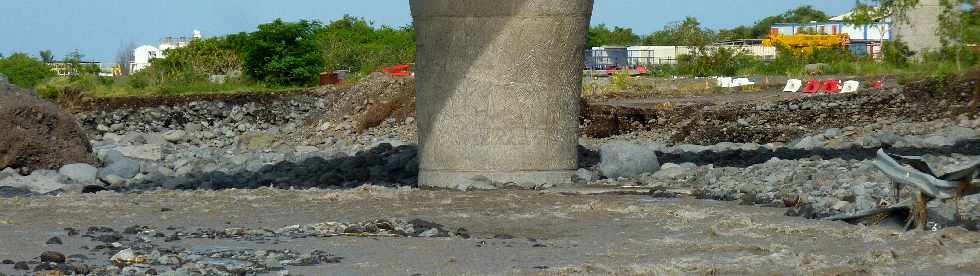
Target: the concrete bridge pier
(498, 85)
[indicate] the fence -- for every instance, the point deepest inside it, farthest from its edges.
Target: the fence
(605, 58)
(621, 57)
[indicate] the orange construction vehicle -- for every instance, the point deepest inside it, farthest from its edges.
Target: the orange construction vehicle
(805, 43)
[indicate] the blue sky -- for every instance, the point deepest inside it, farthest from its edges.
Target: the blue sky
(98, 28)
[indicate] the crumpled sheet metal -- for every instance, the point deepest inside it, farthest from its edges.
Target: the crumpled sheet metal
(917, 179)
(921, 177)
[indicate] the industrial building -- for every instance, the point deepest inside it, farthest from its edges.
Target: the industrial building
(631, 56)
(862, 40)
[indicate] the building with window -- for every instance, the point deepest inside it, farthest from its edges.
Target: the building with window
(143, 55)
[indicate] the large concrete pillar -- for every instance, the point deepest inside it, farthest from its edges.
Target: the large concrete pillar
(498, 85)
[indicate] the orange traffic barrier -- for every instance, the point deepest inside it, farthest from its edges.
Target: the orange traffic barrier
(812, 87)
(402, 70)
(832, 86)
(878, 85)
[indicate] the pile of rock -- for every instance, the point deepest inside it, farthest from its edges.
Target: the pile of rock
(37, 134)
(143, 250)
(755, 174)
(379, 107)
(215, 124)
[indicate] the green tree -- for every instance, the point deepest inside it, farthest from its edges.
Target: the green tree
(353, 44)
(77, 68)
(799, 15)
(283, 53)
(740, 32)
(959, 26)
(47, 56)
(685, 33)
(212, 56)
(601, 35)
(25, 71)
(894, 10)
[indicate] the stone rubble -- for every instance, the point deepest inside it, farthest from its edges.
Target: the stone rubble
(142, 250)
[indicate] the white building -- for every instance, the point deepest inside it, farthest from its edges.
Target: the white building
(143, 55)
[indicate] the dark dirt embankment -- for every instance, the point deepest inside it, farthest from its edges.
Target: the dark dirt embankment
(36, 134)
(780, 120)
(239, 98)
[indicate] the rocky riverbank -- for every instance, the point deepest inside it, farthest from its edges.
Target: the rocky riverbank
(306, 143)
(309, 141)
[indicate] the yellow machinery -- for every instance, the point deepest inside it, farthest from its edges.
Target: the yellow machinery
(805, 43)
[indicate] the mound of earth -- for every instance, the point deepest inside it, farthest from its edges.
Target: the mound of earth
(37, 134)
(370, 103)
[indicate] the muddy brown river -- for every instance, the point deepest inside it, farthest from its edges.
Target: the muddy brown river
(512, 233)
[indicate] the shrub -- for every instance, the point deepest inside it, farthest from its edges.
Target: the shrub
(61, 89)
(714, 62)
(896, 53)
(622, 81)
(353, 44)
(283, 53)
(25, 71)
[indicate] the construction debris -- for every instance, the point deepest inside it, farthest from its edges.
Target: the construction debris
(929, 189)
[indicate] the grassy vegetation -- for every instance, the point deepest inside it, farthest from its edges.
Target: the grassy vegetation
(23, 70)
(279, 56)
(897, 61)
(94, 86)
(288, 55)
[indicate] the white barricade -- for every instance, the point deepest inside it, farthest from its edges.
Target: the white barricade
(850, 86)
(741, 82)
(793, 85)
(725, 82)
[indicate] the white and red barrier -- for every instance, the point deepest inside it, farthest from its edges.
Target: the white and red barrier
(830, 86)
(826, 86)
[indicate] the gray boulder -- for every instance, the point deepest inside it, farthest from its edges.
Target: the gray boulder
(122, 167)
(110, 137)
(8, 172)
(152, 152)
(674, 171)
(154, 139)
(81, 173)
(133, 138)
(938, 141)
(627, 160)
(115, 181)
(690, 148)
(257, 141)
(832, 132)
(174, 136)
(959, 134)
(810, 142)
(39, 182)
(888, 138)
